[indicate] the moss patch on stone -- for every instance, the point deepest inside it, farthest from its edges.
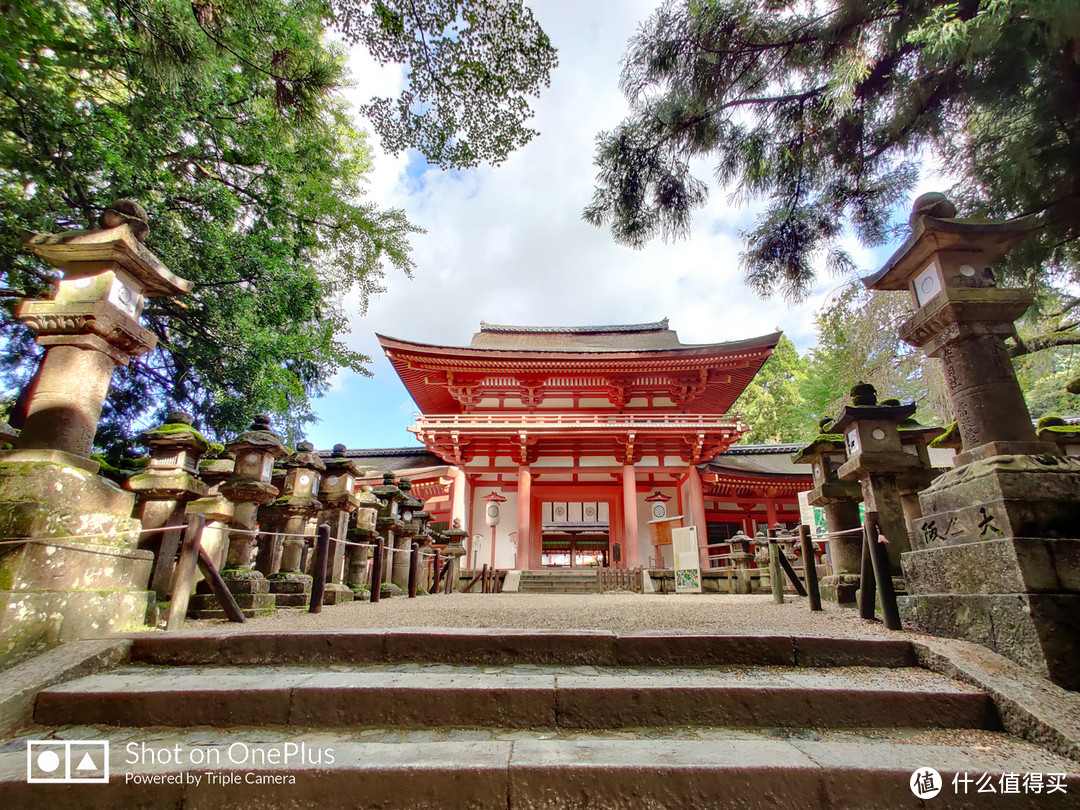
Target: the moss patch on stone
(950, 438)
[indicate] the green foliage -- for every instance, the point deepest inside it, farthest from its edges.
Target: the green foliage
(827, 109)
(472, 64)
(222, 123)
(220, 117)
(1044, 376)
(772, 404)
(857, 342)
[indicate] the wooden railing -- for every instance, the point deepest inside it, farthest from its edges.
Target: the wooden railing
(574, 420)
(620, 579)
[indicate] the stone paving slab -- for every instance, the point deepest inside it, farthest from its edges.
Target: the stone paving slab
(516, 696)
(732, 769)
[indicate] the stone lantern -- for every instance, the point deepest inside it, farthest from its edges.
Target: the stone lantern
(840, 500)
(875, 459)
(249, 487)
(454, 546)
(89, 328)
(47, 482)
(340, 501)
(170, 482)
(364, 531)
(291, 513)
(410, 512)
(388, 522)
(995, 556)
(741, 559)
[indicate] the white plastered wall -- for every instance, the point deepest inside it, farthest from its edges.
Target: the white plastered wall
(504, 543)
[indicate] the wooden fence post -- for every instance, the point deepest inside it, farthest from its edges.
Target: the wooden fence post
(414, 570)
(809, 562)
(185, 572)
(775, 581)
(219, 588)
(890, 613)
(322, 556)
(866, 577)
(376, 568)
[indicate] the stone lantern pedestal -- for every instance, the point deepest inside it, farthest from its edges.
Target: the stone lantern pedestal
(94, 581)
(996, 557)
(840, 500)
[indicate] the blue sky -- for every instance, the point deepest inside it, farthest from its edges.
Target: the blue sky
(508, 245)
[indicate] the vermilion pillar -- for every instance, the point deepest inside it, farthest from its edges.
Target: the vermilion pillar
(770, 510)
(630, 524)
(697, 504)
(524, 518)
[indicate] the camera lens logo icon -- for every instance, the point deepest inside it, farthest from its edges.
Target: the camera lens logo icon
(67, 761)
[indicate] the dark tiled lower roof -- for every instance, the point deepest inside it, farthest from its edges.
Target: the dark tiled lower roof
(390, 459)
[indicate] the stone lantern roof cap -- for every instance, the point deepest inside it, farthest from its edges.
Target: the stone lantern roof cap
(305, 456)
(930, 234)
(388, 489)
(885, 413)
(910, 428)
(87, 253)
(258, 437)
(175, 433)
(825, 443)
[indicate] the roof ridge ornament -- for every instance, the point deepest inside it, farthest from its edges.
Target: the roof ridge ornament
(654, 326)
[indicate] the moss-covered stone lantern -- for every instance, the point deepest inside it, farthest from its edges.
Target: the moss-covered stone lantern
(453, 545)
(412, 525)
(389, 522)
(340, 502)
(248, 488)
(363, 531)
(163, 490)
(53, 593)
(291, 514)
(875, 458)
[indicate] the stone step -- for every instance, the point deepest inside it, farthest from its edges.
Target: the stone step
(501, 646)
(557, 587)
(518, 696)
(452, 768)
(553, 573)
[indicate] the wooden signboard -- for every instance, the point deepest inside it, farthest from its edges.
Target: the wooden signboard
(660, 530)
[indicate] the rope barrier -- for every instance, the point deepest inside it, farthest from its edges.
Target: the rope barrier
(15, 540)
(49, 542)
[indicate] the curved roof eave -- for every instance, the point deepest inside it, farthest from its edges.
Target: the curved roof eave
(760, 342)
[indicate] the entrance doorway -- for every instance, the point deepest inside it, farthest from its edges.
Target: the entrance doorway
(574, 534)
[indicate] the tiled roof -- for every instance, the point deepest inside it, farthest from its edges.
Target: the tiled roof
(611, 338)
(759, 459)
(390, 459)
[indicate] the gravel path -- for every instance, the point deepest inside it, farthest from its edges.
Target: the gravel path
(704, 613)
